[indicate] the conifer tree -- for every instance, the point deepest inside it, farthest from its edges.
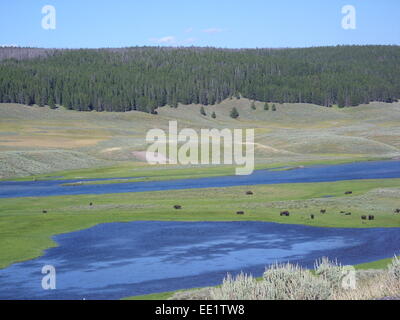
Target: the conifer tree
(234, 113)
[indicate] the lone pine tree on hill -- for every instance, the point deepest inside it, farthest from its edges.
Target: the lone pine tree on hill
(234, 113)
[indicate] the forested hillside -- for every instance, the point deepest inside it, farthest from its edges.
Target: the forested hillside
(146, 78)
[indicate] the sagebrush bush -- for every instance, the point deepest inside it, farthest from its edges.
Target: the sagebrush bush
(331, 271)
(243, 287)
(291, 282)
(280, 282)
(394, 268)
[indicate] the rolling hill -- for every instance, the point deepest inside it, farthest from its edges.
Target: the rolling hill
(37, 140)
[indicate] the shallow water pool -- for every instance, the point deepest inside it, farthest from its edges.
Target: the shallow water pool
(116, 260)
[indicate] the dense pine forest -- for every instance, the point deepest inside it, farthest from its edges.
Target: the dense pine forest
(144, 78)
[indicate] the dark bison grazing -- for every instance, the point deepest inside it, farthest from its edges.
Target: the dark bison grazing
(348, 214)
(397, 211)
(312, 217)
(371, 217)
(240, 213)
(348, 192)
(177, 207)
(323, 211)
(90, 204)
(364, 217)
(285, 213)
(249, 193)
(44, 211)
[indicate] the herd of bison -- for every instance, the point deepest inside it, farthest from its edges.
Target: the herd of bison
(312, 216)
(287, 213)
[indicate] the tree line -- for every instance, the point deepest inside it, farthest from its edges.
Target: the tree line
(145, 78)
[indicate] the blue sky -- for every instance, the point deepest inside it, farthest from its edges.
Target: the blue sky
(219, 23)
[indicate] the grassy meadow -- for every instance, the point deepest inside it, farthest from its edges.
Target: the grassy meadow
(38, 140)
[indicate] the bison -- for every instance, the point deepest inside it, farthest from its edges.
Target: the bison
(323, 211)
(312, 217)
(363, 217)
(240, 213)
(249, 193)
(177, 207)
(285, 213)
(348, 192)
(371, 217)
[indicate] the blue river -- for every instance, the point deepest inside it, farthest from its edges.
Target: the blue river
(320, 173)
(116, 260)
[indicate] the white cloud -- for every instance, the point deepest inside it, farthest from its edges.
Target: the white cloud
(189, 30)
(173, 41)
(164, 40)
(213, 30)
